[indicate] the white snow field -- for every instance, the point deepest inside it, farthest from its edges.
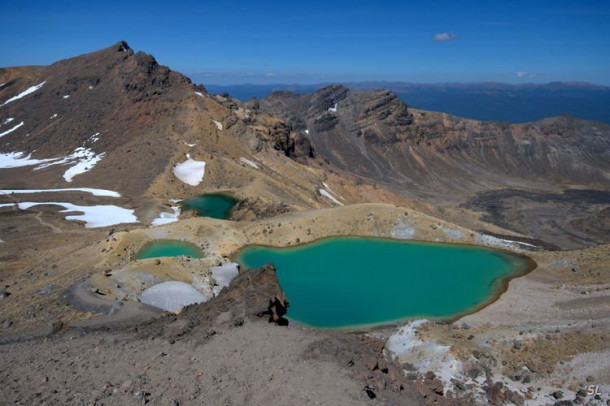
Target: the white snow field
(165, 218)
(190, 171)
(223, 275)
(94, 192)
(325, 193)
(171, 296)
(81, 160)
(24, 93)
(10, 130)
(19, 159)
(93, 216)
(85, 161)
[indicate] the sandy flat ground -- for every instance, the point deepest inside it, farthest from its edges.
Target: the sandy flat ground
(255, 364)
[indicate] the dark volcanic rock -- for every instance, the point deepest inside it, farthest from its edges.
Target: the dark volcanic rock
(579, 215)
(252, 295)
(294, 145)
(375, 135)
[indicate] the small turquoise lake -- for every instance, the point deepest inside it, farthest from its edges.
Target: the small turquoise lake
(347, 282)
(214, 205)
(168, 248)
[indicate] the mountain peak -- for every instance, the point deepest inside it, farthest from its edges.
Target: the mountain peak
(122, 46)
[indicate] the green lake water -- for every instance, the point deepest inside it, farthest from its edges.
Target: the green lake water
(215, 205)
(352, 281)
(168, 248)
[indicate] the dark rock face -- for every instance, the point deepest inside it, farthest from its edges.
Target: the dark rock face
(254, 294)
(335, 119)
(294, 145)
(150, 79)
(276, 311)
(375, 135)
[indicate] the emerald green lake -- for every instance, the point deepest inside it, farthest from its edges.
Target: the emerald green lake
(168, 248)
(352, 281)
(215, 205)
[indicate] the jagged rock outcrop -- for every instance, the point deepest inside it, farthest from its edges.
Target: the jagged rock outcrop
(253, 295)
(375, 135)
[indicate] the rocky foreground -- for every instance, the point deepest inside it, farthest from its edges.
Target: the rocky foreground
(234, 349)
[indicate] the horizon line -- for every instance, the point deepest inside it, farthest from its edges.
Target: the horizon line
(348, 82)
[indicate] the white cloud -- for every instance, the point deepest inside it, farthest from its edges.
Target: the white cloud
(445, 36)
(523, 74)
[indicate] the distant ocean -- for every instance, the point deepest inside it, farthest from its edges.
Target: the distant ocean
(479, 101)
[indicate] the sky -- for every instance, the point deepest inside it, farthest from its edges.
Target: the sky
(233, 42)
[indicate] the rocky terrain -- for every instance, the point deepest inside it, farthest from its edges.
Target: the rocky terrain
(96, 150)
(443, 159)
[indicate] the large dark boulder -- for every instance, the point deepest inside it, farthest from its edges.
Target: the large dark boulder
(255, 294)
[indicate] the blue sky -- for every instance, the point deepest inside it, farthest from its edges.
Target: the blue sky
(288, 41)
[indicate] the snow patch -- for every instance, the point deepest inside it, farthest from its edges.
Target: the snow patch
(306, 132)
(332, 191)
(82, 160)
(12, 129)
(86, 160)
(218, 124)
(66, 96)
(18, 159)
(333, 109)
(90, 87)
(8, 120)
(94, 138)
(93, 216)
(190, 145)
(223, 275)
(190, 171)
(94, 192)
(248, 162)
(425, 356)
(171, 296)
(325, 193)
(165, 218)
(53, 116)
(199, 94)
(24, 93)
